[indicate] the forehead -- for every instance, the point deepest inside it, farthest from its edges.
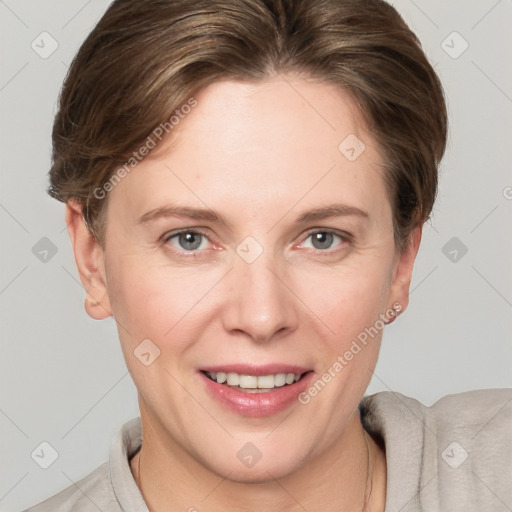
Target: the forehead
(262, 145)
(282, 115)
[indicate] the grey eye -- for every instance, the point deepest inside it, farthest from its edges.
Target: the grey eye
(189, 240)
(322, 240)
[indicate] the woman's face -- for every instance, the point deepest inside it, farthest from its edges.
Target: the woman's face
(260, 243)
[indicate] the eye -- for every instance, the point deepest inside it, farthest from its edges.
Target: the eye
(188, 240)
(323, 240)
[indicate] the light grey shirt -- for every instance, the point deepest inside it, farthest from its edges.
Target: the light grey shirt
(453, 456)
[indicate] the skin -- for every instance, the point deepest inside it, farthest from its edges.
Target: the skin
(260, 155)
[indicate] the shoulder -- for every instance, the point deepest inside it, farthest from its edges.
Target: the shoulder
(456, 453)
(91, 493)
(110, 486)
(469, 410)
(477, 416)
(478, 406)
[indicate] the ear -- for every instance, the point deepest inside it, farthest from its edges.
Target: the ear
(401, 281)
(90, 261)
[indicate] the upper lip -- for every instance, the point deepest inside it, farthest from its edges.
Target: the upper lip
(256, 370)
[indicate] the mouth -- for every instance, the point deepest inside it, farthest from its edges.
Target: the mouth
(254, 383)
(256, 391)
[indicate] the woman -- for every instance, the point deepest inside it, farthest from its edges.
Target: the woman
(245, 186)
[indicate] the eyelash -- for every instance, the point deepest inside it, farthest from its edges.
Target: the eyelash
(344, 238)
(182, 252)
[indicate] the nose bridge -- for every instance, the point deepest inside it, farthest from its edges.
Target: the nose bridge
(259, 305)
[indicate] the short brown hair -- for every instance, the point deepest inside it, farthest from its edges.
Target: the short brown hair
(146, 58)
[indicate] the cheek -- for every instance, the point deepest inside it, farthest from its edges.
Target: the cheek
(149, 304)
(140, 302)
(156, 302)
(352, 304)
(349, 304)
(347, 299)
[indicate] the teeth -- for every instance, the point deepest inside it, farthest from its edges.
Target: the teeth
(233, 379)
(265, 382)
(279, 380)
(248, 381)
(253, 381)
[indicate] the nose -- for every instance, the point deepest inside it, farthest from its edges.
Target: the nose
(260, 305)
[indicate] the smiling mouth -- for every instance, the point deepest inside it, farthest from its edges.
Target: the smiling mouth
(254, 383)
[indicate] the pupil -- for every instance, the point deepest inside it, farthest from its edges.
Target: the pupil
(190, 241)
(322, 240)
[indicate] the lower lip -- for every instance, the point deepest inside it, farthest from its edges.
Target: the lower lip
(265, 403)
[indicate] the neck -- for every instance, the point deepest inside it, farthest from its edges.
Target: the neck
(351, 475)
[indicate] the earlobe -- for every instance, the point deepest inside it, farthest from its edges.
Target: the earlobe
(89, 259)
(400, 286)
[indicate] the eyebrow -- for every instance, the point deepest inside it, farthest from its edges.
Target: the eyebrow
(181, 211)
(334, 210)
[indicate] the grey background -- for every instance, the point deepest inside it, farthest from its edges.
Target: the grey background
(63, 378)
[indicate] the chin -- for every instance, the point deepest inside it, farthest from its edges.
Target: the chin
(261, 472)
(252, 461)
